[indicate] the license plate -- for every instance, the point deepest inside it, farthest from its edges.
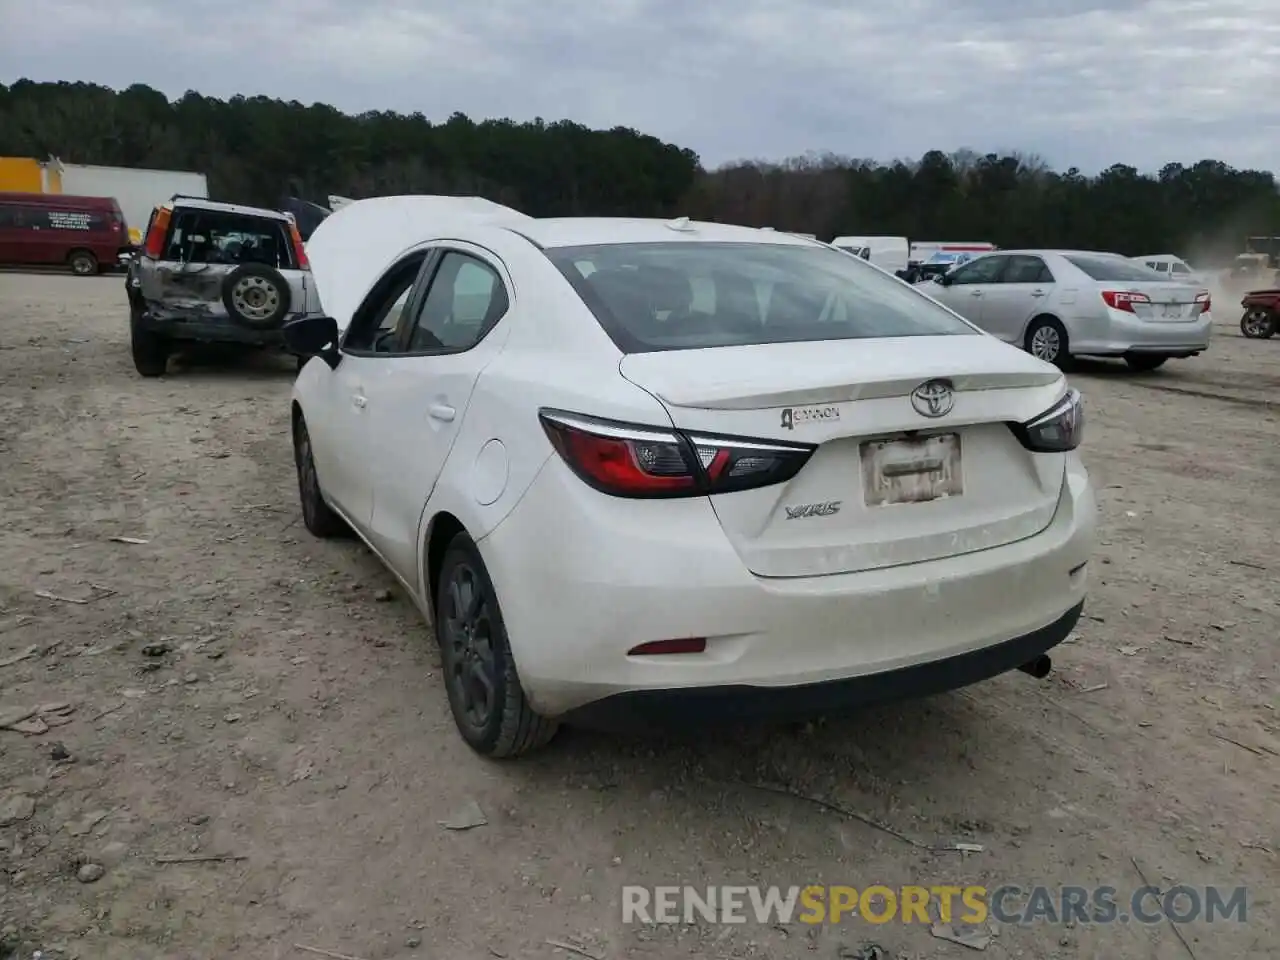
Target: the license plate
(913, 470)
(1173, 311)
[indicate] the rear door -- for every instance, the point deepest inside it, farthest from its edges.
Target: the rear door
(1023, 290)
(418, 397)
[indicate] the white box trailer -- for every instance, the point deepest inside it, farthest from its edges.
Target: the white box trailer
(887, 253)
(138, 191)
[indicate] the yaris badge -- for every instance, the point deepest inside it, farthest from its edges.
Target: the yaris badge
(933, 398)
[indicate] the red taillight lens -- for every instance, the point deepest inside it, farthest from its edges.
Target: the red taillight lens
(1204, 301)
(154, 244)
(626, 460)
(662, 647)
(1123, 299)
(299, 251)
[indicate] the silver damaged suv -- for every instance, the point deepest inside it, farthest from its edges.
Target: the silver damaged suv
(211, 272)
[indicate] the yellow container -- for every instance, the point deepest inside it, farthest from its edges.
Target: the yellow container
(21, 175)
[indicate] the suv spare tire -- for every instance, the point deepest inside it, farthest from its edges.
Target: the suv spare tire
(256, 296)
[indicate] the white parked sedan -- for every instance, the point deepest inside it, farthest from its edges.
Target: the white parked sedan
(1059, 304)
(650, 470)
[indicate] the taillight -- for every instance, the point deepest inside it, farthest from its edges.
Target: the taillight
(1123, 299)
(154, 246)
(1057, 430)
(299, 251)
(1204, 302)
(626, 460)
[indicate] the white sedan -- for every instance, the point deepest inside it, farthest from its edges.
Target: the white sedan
(669, 471)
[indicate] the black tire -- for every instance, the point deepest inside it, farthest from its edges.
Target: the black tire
(256, 296)
(1144, 362)
(150, 349)
(1047, 340)
(317, 516)
(83, 263)
(1258, 323)
(489, 705)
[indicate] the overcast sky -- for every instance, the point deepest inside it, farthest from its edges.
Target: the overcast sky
(1080, 82)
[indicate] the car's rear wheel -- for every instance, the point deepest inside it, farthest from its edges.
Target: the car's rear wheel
(83, 263)
(1144, 362)
(1047, 340)
(489, 705)
(317, 516)
(150, 350)
(1258, 323)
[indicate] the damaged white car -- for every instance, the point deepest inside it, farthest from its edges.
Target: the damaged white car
(642, 472)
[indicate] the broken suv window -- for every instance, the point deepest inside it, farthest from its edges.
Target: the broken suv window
(200, 236)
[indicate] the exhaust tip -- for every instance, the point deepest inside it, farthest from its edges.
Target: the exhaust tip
(1039, 667)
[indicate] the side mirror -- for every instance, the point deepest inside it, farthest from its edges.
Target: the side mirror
(313, 337)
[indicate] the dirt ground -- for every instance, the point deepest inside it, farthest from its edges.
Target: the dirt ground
(240, 690)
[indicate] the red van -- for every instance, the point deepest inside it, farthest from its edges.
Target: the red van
(87, 234)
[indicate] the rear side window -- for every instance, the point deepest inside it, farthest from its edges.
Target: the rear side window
(1026, 269)
(1180, 268)
(690, 295)
(1111, 269)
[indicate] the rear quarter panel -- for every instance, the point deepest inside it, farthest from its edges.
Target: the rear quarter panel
(556, 355)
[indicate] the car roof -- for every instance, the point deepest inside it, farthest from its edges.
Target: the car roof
(59, 200)
(588, 231)
(1042, 251)
(218, 206)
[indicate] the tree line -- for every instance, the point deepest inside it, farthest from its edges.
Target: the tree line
(256, 150)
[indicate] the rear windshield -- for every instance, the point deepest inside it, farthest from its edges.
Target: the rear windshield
(689, 295)
(204, 236)
(1116, 269)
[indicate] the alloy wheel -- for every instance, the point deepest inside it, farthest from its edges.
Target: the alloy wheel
(468, 647)
(1046, 344)
(1256, 323)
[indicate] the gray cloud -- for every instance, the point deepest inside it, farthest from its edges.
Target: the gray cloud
(1080, 82)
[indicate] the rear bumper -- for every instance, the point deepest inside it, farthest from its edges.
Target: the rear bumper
(693, 708)
(583, 578)
(1123, 334)
(211, 330)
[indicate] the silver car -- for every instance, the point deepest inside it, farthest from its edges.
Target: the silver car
(1058, 304)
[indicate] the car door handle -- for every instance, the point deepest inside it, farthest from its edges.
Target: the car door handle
(1037, 293)
(975, 293)
(358, 401)
(442, 411)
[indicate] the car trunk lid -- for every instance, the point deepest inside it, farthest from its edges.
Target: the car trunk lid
(886, 485)
(1167, 301)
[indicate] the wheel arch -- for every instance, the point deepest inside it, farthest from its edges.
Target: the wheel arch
(441, 529)
(1042, 315)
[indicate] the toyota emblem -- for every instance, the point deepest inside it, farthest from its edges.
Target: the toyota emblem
(933, 398)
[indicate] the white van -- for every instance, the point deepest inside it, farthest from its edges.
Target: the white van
(887, 253)
(1170, 267)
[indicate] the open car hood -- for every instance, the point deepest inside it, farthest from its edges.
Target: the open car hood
(355, 244)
